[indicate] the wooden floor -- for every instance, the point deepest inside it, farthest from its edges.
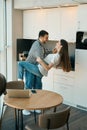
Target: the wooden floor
(77, 121)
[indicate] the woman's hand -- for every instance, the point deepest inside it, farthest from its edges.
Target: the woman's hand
(38, 60)
(54, 50)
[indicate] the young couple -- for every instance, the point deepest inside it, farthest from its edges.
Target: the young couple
(38, 64)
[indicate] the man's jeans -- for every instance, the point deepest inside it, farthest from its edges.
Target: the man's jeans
(32, 74)
(32, 81)
(29, 80)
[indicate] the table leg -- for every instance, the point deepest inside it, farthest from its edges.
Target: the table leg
(18, 119)
(0, 124)
(43, 111)
(21, 120)
(16, 127)
(17, 112)
(35, 116)
(55, 109)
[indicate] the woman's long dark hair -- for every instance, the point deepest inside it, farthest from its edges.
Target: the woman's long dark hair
(64, 56)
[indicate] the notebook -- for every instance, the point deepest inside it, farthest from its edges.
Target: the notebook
(15, 93)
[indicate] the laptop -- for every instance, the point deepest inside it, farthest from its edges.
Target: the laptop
(15, 93)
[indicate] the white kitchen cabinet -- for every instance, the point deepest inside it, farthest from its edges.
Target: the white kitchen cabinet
(63, 84)
(68, 23)
(80, 95)
(60, 82)
(44, 19)
(82, 20)
(73, 85)
(33, 4)
(48, 81)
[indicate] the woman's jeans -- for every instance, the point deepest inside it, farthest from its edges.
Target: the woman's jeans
(32, 74)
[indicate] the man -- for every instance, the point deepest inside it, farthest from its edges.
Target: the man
(37, 50)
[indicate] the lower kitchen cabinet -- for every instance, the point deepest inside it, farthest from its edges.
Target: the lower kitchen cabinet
(63, 83)
(48, 81)
(60, 82)
(80, 92)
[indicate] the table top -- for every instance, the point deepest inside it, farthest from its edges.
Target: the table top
(42, 99)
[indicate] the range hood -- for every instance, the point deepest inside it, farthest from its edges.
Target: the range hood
(34, 4)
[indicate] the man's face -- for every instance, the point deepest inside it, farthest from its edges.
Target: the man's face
(45, 38)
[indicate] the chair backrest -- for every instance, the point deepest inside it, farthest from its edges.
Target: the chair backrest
(54, 120)
(2, 84)
(15, 85)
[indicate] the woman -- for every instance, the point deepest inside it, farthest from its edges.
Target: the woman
(59, 58)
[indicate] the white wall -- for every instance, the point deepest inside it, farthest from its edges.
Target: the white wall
(14, 31)
(17, 31)
(2, 51)
(59, 22)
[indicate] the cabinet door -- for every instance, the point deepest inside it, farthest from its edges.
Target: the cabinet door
(64, 84)
(81, 78)
(47, 82)
(82, 20)
(68, 20)
(65, 90)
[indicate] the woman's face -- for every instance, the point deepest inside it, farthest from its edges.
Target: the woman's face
(58, 46)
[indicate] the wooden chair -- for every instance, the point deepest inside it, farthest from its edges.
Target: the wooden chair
(55, 120)
(13, 85)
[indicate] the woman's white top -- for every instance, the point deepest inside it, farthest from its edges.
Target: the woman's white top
(51, 58)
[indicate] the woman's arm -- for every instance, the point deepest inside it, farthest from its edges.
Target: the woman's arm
(45, 66)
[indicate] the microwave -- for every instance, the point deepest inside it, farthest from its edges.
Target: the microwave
(81, 40)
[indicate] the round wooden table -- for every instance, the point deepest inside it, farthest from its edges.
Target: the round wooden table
(41, 100)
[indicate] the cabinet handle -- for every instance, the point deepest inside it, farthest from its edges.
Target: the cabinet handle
(78, 24)
(64, 78)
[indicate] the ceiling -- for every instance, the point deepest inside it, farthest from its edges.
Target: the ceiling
(32, 4)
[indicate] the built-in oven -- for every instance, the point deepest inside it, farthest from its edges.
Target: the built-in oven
(23, 47)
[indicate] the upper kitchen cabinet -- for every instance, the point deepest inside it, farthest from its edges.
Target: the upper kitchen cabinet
(36, 20)
(82, 20)
(68, 23)
(59, 22)
(33, 4)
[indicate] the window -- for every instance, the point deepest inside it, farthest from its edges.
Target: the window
(1, 24)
